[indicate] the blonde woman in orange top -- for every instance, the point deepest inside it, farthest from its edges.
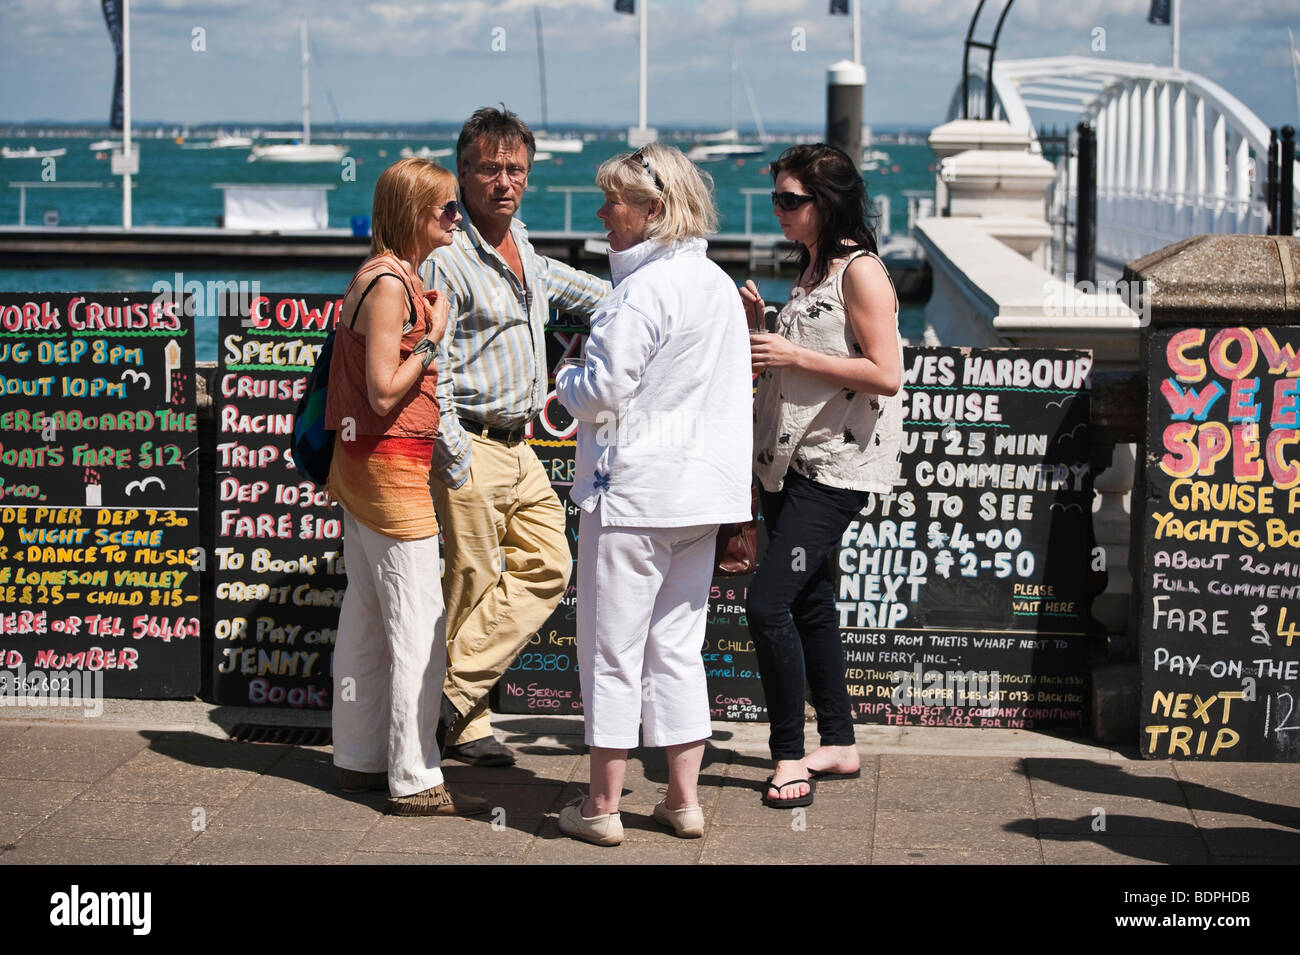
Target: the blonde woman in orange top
(390, 653)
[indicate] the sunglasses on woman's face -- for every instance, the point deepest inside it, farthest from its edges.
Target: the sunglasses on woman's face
(451, 209)
(789, 201)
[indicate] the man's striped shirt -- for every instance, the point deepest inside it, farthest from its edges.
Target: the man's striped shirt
(492, 367)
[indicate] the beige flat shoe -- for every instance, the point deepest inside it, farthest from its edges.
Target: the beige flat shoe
(606, 830)
(687, 822)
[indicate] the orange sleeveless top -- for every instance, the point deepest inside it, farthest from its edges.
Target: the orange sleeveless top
(381, 476)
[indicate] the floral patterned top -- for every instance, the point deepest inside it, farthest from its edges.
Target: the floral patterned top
(827, 433)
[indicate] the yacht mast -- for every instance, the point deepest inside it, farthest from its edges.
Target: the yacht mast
(306, 87)
(541, 64)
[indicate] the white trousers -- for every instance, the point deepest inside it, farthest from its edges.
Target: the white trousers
(390, 659)
(642, 609)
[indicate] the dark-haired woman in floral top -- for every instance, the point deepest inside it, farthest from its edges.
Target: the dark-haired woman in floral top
(827, 434)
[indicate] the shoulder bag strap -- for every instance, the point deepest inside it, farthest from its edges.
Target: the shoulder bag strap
(353, 323)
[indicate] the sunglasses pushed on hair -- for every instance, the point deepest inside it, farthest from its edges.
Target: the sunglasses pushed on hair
(789, 201)
(639, 156)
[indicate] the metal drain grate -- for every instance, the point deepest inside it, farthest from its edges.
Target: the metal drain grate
(292, 735)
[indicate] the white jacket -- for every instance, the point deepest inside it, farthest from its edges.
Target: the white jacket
(664, 398)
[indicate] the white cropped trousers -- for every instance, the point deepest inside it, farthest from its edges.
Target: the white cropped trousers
(390, 660)
(642, 609)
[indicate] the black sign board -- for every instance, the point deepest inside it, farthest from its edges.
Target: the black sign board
(1221, 564)
(278, 562)
(962, 596)
(98, 496)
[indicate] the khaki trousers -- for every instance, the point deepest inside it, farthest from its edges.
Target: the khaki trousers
(507, 566)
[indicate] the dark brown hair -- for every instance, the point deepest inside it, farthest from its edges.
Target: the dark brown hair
(840, 196)
(496, 127)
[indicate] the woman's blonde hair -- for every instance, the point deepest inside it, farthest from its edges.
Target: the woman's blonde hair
(406, 191)
(685, 192)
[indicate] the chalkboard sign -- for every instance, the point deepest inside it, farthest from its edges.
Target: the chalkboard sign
(279, 571)
(98, 495)
(544, 677)
(962, 596)
(1221, 568)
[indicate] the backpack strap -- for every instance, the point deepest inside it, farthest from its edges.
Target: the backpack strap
(410, 324)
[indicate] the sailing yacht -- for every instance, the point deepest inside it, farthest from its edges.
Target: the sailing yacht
(547, 145)
(715, 147)
(306, 150)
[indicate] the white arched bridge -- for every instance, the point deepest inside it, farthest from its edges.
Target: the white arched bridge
(1177, 155)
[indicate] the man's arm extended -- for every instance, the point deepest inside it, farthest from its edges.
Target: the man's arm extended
(571, 290)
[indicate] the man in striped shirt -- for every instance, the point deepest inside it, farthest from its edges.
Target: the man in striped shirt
(507, 556)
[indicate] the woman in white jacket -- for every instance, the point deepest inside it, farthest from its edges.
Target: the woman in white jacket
(664, 403)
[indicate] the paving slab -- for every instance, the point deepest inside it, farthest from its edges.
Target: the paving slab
(74, 850)
(830, 810)
(1102, 786)
(1125, 850)
(1055, 766)
(437, 835)
(13, 826)
(256, 846)
(419, 858)
(151, 823)
(1081, 814)
(151, 776)
(955, 795)
(750, 845)
(1002, 831)
(264, 805)
(951, 856)
(1229, 835)
(70, 755)
(38, 797)
(952, 767)
(1274, 803)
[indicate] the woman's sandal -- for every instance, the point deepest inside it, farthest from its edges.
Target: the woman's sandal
(794, 802)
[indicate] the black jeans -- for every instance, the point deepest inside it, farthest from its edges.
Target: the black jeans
(792, 616)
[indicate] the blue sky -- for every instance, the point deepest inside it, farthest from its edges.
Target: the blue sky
(437, 60)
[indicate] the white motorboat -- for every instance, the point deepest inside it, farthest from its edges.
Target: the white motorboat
(553, 144)
(305, 150)
(105, 145)
(871, 159)
(298, 152)
(222, 141)
(424, 152)
(31, 152)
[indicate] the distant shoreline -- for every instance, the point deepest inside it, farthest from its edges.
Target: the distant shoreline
(438, 130)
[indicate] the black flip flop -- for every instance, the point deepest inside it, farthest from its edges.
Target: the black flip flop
(794, 802)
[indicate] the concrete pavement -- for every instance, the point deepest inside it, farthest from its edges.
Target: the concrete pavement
(150, 782)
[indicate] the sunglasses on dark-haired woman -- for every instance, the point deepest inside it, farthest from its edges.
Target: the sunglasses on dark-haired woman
(789, 201)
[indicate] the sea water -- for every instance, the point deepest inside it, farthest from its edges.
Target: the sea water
(176, 187)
